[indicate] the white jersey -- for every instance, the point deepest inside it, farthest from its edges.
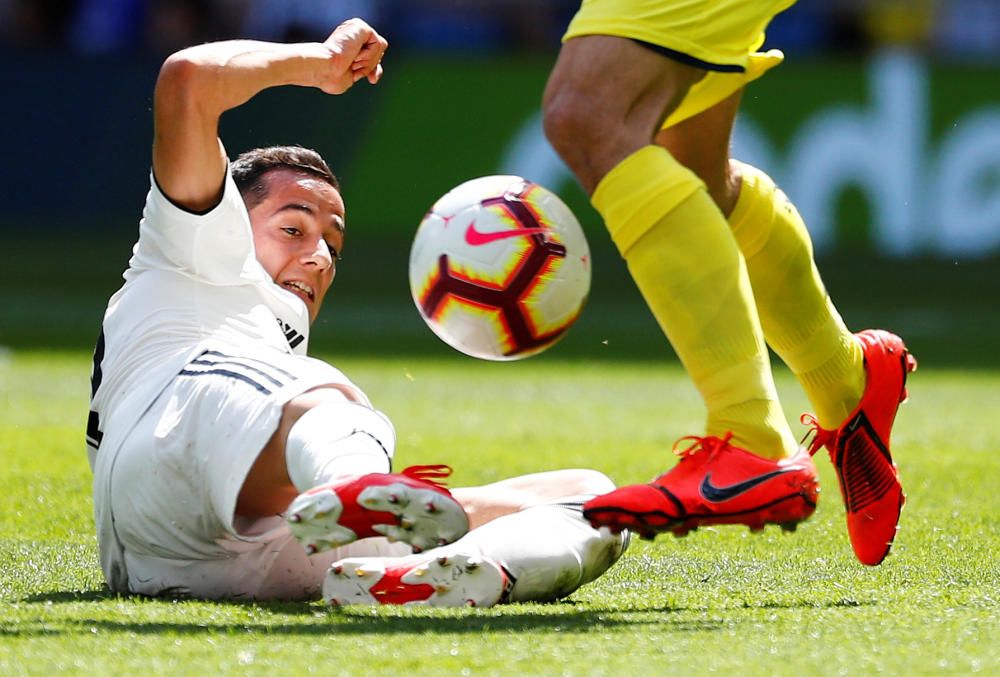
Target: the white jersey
(193, 284)
(195, 297)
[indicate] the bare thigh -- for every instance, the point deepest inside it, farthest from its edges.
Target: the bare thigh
(606, 98)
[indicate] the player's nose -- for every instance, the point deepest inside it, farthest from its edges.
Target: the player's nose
(319, 254)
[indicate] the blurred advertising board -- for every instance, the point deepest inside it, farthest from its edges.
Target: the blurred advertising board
(893, 154)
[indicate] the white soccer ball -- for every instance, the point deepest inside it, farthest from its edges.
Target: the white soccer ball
(499, 268)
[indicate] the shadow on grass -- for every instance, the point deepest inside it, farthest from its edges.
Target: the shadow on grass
(561, 617)
(70, 596)
(105, 594)
(360, 622)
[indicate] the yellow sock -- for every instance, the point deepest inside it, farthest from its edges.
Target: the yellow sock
(799, 320)
(685, 262)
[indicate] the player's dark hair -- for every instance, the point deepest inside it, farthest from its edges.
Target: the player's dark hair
(250, 168)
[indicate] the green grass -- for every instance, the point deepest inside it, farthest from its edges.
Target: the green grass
(720, 600)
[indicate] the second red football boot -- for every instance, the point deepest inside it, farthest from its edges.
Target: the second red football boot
(412, 506)
(859, 448)
(715, 482)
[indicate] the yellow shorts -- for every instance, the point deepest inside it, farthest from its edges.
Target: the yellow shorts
(721, 36)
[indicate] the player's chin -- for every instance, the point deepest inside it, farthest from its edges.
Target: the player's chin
(313, 308)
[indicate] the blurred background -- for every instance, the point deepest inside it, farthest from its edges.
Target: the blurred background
(883, 126)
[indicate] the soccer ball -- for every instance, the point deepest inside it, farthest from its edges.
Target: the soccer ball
(499, 268)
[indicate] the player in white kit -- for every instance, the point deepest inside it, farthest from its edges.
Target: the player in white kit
(227, 463)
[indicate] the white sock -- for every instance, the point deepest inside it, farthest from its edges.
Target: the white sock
(337, 439)
(550, 549)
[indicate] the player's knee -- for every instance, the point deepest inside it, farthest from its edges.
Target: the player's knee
(300, 404)
(572, 123)
(586, 481)
(596, 482)
(333, 420)
(338, 438)
(587, 134)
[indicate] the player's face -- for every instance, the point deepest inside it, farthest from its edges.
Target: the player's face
(298, 232)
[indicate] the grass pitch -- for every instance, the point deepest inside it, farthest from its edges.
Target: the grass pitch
(719, 600)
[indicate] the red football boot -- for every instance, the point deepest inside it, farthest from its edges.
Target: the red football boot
(411, 506)
(432, 579)
(714, 483)
(859, 448)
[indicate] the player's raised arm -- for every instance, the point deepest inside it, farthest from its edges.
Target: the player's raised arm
(197, 84)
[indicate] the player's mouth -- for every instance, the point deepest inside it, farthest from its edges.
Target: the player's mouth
(300, 289)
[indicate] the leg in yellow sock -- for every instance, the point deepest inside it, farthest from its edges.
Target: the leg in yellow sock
(799, 320)
(605, 101)
(685, 261)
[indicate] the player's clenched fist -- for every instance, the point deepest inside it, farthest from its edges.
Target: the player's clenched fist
(356, 51)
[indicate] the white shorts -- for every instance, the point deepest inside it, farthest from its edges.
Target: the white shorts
(176, 479)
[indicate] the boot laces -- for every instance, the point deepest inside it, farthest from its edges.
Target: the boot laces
(821, 437)
(432, 474)
(696, 444)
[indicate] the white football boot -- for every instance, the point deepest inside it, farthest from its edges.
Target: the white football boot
(455, 579)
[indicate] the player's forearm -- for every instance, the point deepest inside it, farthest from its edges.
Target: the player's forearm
(216, 77)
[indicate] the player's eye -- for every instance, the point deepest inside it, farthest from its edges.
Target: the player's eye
(334, 254)
(291, 230)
